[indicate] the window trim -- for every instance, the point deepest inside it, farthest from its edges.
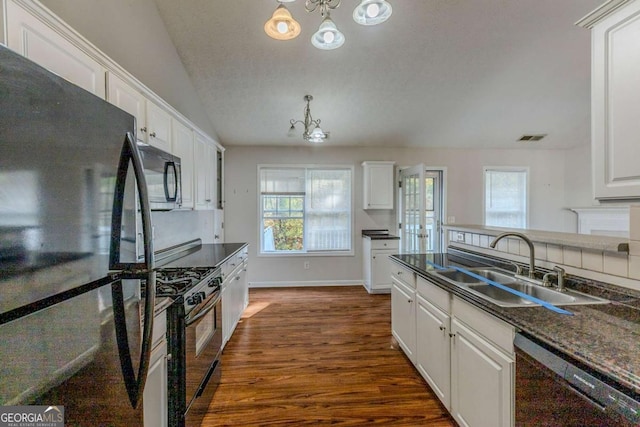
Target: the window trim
(527, 190)
(305, 166)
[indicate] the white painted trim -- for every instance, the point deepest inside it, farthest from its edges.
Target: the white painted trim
(306, 284)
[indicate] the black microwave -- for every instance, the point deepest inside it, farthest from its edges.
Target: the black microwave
(162, 173)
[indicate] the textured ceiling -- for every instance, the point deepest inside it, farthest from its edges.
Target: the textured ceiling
(438, 73)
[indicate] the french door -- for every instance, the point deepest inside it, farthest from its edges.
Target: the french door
(421, 195)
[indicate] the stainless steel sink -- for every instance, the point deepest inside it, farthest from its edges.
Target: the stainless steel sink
(504, 298)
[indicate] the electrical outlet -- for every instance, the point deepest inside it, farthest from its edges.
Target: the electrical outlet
(306, 265)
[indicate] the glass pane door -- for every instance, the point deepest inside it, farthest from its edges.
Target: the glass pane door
(420, 210)
(412, 206)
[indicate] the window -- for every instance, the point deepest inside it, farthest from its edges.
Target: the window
(305, 209)
(506, 197)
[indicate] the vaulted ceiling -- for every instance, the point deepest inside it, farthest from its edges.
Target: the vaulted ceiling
(438, 73)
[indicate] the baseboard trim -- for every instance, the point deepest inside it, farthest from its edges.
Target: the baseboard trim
(311, 283)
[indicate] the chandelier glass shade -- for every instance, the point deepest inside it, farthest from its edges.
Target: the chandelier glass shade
(328, 36)
(282, 26)
(312, 131)
(372, 12)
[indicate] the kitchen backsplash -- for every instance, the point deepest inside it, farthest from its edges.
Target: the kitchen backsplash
(175, 227)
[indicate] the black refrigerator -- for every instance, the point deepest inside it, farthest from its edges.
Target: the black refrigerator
(76, 316)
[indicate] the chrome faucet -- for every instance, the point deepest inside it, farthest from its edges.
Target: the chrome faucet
(560, 273)
(532, 257)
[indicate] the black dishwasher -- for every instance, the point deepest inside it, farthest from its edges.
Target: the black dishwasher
(552, 390)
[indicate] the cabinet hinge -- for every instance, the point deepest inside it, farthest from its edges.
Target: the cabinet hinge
(399, 184)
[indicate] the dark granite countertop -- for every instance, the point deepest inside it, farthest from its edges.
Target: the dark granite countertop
(605, 337)
(210, 255)
(379, 235)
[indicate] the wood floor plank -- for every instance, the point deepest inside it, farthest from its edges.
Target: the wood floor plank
(320, 356)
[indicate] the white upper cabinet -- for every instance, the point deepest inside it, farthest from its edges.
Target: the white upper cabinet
(153, 122)
(123, 95)
(158, 127)
(615, 92)
(377, 184)
(182, 146)
(34, 39)
(205, 165)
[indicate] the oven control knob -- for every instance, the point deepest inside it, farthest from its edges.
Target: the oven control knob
(194, 299)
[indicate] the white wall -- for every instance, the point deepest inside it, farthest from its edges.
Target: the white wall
(133, 34)
(464, 196)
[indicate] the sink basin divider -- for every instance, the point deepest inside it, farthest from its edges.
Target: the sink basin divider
(543, 303)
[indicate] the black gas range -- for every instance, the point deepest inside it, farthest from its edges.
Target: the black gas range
(194, 337)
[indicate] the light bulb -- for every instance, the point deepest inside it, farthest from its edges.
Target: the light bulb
(282, 27)
(373, 10)
(328, 37)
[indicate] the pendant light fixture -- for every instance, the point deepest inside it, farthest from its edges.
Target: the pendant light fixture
(328, 36)
(282, 26)
(372, 12)
(312, 131)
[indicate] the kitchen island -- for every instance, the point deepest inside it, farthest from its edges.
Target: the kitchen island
(602, 337)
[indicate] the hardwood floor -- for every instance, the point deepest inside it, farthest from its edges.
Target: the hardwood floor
(319, 356)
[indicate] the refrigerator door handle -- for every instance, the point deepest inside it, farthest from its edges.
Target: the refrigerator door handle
(135, 385)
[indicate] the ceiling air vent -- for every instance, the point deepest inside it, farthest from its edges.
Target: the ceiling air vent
(527, 138)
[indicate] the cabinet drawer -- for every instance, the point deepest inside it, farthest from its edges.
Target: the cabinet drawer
(492, 328)
(384, 244)
(434, 294)
(404, 274)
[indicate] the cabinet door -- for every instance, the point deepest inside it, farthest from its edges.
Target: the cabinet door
(481, 380)
(381, 269)
(155, 399)
(205, 164)
(433, 349)
(403, 320)
(378, 185)
(158, 127)
(218, 226)
(30, 37)
(122, 95)
(615, 99)
(182, 143)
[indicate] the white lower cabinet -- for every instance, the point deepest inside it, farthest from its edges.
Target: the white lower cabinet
(465, 354)
(433, 352)
(155, 398)
(481, 380)
(376, 263)
(403, 313)
(235, 292)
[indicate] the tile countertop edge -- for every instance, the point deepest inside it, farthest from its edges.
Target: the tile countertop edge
(537, 321)
(584, 241)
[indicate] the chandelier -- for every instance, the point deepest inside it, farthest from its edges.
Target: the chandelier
(282, 26)
(312, 135)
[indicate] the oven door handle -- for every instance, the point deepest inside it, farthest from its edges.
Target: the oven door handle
(203, 312)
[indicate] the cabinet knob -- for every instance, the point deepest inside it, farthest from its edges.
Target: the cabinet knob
(373, 257)
(452, 335)
(169, 356)
(399, 273)
(152, 134)
(442, 328)
(409, 301)
(143, 130)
